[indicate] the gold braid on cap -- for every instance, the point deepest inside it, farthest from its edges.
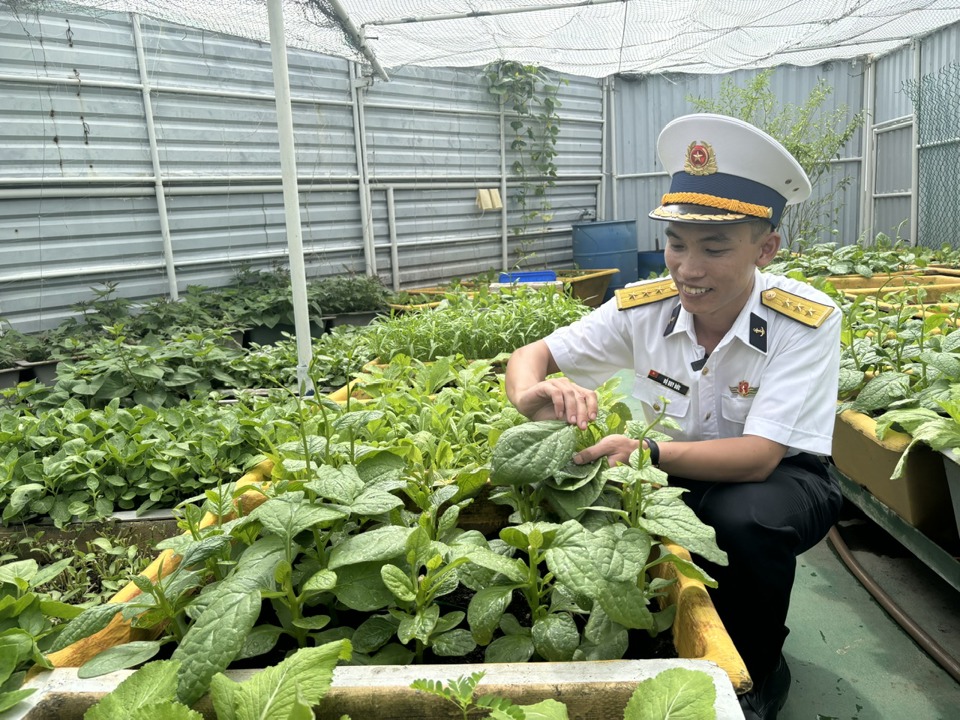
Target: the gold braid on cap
(691, 198)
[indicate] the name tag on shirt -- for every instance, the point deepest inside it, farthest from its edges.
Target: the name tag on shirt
(668, 382)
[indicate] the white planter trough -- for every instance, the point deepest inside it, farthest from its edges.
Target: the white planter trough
(590, 690)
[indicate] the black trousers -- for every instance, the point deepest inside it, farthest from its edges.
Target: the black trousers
(763, 527)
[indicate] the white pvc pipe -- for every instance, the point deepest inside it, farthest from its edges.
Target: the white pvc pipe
(505, 201)
(358, 36)
(155, 160)
(359, 131)
(604, 154)
(394, 250)
(614, 165)
(867, 176)
(291, 198)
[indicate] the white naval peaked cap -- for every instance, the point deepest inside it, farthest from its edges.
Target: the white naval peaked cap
(725, 170)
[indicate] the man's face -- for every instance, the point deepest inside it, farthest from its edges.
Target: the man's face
(713, 265)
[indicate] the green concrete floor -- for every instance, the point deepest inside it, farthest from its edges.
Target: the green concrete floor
(849, 660)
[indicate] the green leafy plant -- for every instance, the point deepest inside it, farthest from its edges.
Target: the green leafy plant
(811, 134)
(461, 692)
(95, 570)
(673, 693)
(348, 293)
(29, 622)
(185, 366)
(479, 326)
(530, 95)
(815, 259)
(289, 689)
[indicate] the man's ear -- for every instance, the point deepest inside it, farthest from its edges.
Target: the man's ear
(769, 246)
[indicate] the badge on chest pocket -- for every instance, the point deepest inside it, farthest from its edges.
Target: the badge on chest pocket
(738, 400)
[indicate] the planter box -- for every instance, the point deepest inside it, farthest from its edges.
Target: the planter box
(44, 371)
(263, 335)
(353, 318)
(921, 497)
(144, 530)
(590, 690)
(951, 465)
(414, 307)
(9, 377)
(588, 286)
(697, 631)
(932, 287)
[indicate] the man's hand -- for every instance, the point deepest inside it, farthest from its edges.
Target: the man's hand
(616, 448)
(558, 399)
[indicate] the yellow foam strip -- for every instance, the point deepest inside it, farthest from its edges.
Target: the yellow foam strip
(119, 630)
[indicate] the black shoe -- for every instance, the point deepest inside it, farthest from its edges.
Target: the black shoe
(768, 696)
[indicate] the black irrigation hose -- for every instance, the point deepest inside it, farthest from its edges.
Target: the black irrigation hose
(929, 645)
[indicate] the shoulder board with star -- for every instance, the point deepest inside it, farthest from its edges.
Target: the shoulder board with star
(645, 293)
(799, 308)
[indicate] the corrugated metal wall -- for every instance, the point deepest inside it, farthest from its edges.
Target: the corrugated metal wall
(79, 207)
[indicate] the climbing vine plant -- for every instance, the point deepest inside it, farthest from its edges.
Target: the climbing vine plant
(530, 98)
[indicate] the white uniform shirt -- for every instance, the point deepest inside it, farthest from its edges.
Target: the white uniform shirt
(770, 375)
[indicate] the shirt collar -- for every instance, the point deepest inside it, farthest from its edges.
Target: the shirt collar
(750, 326)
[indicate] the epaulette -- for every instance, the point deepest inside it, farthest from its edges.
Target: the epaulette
(645, 293)
(801, 309)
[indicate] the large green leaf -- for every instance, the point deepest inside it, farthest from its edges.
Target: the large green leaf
(287, 516)
(670, 517)
(485, 610)
(217, 636)
(532, 452)
(155, 682)
(303, 678)
(375, 545)
(543, 710)
(119, 657)
(87, 623)
(360, 587)
(674, 694)
(555, 637)
(341, 485)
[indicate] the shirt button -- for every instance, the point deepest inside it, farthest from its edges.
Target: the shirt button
(706, 371)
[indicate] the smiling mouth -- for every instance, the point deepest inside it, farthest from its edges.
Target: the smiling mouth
(690, 290)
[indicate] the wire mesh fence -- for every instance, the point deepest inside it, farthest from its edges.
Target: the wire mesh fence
(936, 98)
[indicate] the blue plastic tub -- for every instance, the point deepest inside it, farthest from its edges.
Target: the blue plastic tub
(528, 276)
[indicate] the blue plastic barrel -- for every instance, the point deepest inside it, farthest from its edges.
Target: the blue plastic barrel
(650, 262)
(607, 244)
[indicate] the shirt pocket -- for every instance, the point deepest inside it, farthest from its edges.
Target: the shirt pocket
(735, 408)
(650, 393)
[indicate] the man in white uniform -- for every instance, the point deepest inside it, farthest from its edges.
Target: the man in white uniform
(747, 363)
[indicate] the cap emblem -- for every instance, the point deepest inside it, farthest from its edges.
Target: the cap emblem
(701, 159)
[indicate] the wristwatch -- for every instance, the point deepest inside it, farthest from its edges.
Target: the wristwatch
(654, 452)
